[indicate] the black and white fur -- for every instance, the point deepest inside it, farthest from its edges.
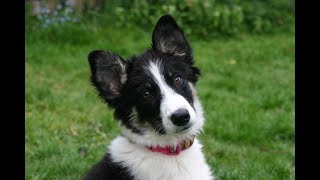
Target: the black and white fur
(146, 91)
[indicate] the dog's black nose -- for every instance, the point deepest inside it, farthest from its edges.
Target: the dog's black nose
(180, 117)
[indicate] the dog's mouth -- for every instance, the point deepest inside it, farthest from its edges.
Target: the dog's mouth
(183, 128)
(179, 129)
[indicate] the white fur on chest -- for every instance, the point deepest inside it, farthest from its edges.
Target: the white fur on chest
(147, 165)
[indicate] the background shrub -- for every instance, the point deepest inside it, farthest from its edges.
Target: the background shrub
(201, 18)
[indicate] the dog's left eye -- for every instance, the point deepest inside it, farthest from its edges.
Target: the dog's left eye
(178, 80)
(146, 94)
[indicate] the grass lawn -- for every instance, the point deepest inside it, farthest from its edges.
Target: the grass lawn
(246, 88)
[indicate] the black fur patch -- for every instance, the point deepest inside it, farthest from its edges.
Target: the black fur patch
(107, 169)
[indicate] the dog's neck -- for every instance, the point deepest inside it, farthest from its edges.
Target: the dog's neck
(153, 165)
(170, 150)
(167, 150)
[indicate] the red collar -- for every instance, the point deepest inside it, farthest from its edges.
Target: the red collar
(182, 145)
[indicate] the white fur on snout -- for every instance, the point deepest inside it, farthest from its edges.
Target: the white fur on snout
(171, 101)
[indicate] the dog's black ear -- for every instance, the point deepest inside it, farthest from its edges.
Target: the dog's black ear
(167, 37)
(108, 74)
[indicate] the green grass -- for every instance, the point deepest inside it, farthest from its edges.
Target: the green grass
(246, 88)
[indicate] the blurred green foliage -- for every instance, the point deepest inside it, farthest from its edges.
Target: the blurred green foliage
(209, 17)
(201, 18)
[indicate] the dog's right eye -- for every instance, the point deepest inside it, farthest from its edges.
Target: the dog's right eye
(178, 80)
(146, 94)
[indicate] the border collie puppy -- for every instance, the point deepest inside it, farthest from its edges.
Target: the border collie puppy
(156, 105)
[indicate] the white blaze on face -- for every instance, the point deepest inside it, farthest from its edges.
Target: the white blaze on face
(171, 101)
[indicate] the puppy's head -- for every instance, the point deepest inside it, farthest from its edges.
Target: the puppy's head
(153, 93)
